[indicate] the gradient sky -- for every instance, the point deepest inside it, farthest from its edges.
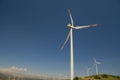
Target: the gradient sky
(32, 32)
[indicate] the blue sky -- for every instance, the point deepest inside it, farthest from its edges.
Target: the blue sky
(32, 32)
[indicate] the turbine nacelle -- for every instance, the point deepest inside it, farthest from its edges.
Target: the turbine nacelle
(70, 26)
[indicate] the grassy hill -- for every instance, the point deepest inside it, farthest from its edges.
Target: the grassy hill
(99, 77)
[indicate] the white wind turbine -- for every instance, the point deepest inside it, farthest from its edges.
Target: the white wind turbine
(88, 71)
(96, 65)
(70, 35)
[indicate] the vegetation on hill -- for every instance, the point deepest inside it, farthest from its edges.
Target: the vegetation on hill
(99, 77)
(93, 77)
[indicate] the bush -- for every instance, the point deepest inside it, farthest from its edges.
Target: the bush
(77, 78)
(118, 77)
(97, 77)
(104, 76)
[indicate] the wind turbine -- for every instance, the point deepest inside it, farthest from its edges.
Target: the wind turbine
(70, 35)
(88, 71)
(96, 65)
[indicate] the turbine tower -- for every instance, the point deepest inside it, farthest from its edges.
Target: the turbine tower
(70, 35)
(96, 65)
(88, 71)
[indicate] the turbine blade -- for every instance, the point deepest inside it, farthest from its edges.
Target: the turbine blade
(81, 27)
(93, 66)
(88, 69)
(66, 40)
(94, 60)
(71, 17)
(98, 62)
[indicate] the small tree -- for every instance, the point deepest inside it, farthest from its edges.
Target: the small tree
(97, 77)
(105, 76)
(76, 78)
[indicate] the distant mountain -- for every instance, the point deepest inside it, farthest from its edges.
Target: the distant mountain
(24, 76)
(16, 76)
(99, 77)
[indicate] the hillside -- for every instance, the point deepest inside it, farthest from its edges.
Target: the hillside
(5, 76)
(99, 77)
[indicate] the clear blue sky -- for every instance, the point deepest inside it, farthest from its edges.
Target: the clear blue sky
(32, 32)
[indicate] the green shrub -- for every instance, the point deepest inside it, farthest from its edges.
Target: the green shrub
(76, 78)
(97, 77)
(118, 77)
(104, 76)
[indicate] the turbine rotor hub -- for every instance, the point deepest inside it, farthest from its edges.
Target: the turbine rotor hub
(70, 26)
